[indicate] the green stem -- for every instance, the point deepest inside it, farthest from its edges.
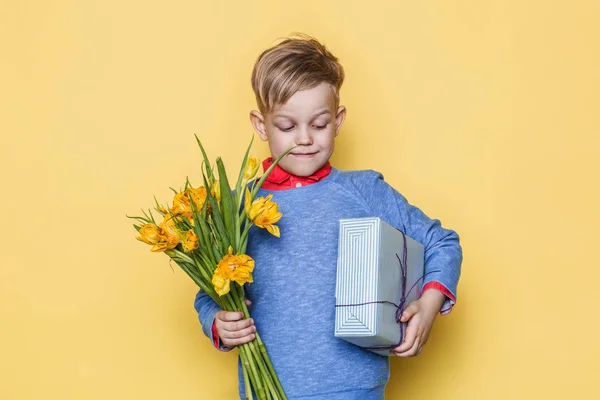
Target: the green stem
(257, 186)
(190, 270)
(239, 292)
(263, 349)
(260, 391)
(244, 239)
(262, 368)
(239, 195)
(253, 383)
(180, 254)
(260, 378)
(247, 385)
(237, 232)
(202, 270)
(268, 374)
(265, 356)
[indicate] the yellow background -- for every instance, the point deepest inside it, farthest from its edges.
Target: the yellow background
(483, 113)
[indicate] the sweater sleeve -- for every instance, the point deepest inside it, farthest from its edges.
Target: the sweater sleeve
(443, 253)
(207, 309)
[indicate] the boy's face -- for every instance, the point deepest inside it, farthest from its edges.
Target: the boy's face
(310, 121)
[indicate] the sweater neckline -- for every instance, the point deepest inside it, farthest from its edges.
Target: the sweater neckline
(305, 188)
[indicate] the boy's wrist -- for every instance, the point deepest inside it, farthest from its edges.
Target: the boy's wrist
(433, 299)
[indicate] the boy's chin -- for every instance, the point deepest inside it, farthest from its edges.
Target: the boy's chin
(303, 166)
(301, 170)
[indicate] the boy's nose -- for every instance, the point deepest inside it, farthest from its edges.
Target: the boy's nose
(303, 137)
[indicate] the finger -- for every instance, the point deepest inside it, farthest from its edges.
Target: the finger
(242, 333)
(236, 342)
(248, 302)
(409, 339)
(409, 311)
(413, 351)
(230, 316)
(237, 325)
(422, 340)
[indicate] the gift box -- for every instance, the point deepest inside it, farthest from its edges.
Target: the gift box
(379, 272)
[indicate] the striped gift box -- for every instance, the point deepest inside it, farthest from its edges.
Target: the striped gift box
(368, 271)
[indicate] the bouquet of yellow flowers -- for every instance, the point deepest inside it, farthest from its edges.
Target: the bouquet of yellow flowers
(206, 233)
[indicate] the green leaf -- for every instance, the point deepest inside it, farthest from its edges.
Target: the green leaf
(144, 220)
(151, 216)
(207, 185)
(222, 235)
(189, 269)
(218, 254)
(238, 185)
(201, 229)
(182, 224)
(257, 186)
(207, 244)
(137, 227)
(227, 207)
(206, 162)
(158, 206)
(208, 262)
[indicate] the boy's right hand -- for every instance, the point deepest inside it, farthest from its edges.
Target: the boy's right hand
(233, 330)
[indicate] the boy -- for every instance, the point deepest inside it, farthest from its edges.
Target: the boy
(297, 85)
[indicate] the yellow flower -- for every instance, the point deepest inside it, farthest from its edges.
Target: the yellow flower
(263, 212)
(233, 267)
(181, 204)
(237, 267)
(149, 234)
(220, 283)
(168, 236)
(198, 195)
(215, 190)
(162, 237)
(181, 201)
(251, 167)
(190, 242)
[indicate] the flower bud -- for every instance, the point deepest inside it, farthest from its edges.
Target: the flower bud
(251, 168)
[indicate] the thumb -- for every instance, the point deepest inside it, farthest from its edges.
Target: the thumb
(409, 311)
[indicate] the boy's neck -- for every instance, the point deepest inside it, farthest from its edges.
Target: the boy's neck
(280, 179)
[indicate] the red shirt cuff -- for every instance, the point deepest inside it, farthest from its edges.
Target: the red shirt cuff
(438, 286)
(215, 335)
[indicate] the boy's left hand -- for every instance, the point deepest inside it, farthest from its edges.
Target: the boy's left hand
(420, 315)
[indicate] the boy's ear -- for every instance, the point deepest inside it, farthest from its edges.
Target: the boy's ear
(340, 117)
(258, 123)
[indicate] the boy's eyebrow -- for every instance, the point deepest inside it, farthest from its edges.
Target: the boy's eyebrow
(318, 114)
(325, 111)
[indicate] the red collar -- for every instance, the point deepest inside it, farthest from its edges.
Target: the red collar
(280, 179)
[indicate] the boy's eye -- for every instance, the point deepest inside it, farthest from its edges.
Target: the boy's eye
(321, 126)
(286, 129)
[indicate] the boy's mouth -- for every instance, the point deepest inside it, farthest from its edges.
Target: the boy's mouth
(303, 155)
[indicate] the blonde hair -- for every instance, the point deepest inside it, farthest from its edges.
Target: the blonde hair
(298, 62)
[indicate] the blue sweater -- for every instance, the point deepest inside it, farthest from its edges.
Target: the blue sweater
(293, 294)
